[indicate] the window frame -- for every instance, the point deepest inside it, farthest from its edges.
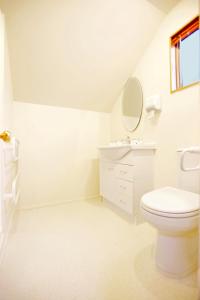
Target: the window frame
(172, 44)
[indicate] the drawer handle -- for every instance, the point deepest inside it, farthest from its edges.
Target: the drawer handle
(122, 187)
(123, 172)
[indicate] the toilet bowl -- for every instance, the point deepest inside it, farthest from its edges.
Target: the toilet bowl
(175, 214)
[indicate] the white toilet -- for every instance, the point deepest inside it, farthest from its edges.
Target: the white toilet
(175, 214)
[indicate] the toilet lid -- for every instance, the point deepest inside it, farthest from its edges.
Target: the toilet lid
(171, 200)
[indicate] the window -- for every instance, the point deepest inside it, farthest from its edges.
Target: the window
(185, 56)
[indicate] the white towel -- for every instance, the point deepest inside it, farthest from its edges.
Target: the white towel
(15, 143)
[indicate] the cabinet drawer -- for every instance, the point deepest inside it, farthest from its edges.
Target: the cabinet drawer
(124, 187)
(125, 172)
(125, 203)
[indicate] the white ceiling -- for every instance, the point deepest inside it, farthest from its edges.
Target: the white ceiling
(164, 5)
(76, 53)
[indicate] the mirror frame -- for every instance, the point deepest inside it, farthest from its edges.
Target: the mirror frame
(122, 101)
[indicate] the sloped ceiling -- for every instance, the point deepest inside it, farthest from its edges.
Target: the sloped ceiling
(164, 5)
(76, 53)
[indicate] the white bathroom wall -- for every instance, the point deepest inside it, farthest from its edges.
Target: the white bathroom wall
(59, 156)
(178, 125)
(5, 81)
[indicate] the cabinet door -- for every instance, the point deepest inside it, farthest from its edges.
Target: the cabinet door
(108, 181)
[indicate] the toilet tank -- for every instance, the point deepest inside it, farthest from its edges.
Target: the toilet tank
(189, 180)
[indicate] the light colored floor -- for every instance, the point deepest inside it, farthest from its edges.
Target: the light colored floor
(84, 251)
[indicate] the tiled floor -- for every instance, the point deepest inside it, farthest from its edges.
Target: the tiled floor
(84, 251)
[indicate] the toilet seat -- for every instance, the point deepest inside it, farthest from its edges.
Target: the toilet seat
(172, 203)
(171, 215)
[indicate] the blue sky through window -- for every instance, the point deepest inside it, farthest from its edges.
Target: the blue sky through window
(190, 59)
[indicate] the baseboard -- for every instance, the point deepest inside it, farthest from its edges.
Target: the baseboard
(57, 203)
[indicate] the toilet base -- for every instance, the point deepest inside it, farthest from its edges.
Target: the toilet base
(177, 255)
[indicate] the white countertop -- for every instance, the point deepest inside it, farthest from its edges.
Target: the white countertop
(138, 146)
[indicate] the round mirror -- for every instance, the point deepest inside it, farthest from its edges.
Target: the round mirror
(132, 104)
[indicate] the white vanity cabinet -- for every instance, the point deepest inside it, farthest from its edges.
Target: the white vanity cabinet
(124, 181)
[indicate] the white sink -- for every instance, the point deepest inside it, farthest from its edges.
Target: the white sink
(116, 152)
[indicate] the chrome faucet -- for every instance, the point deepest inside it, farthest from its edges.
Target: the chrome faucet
(136, 141)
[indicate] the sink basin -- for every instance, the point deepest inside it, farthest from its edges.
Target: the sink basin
(115, 152)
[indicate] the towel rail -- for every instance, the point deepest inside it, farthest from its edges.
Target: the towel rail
(9, 178)
(194, 150)
(14, 195)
